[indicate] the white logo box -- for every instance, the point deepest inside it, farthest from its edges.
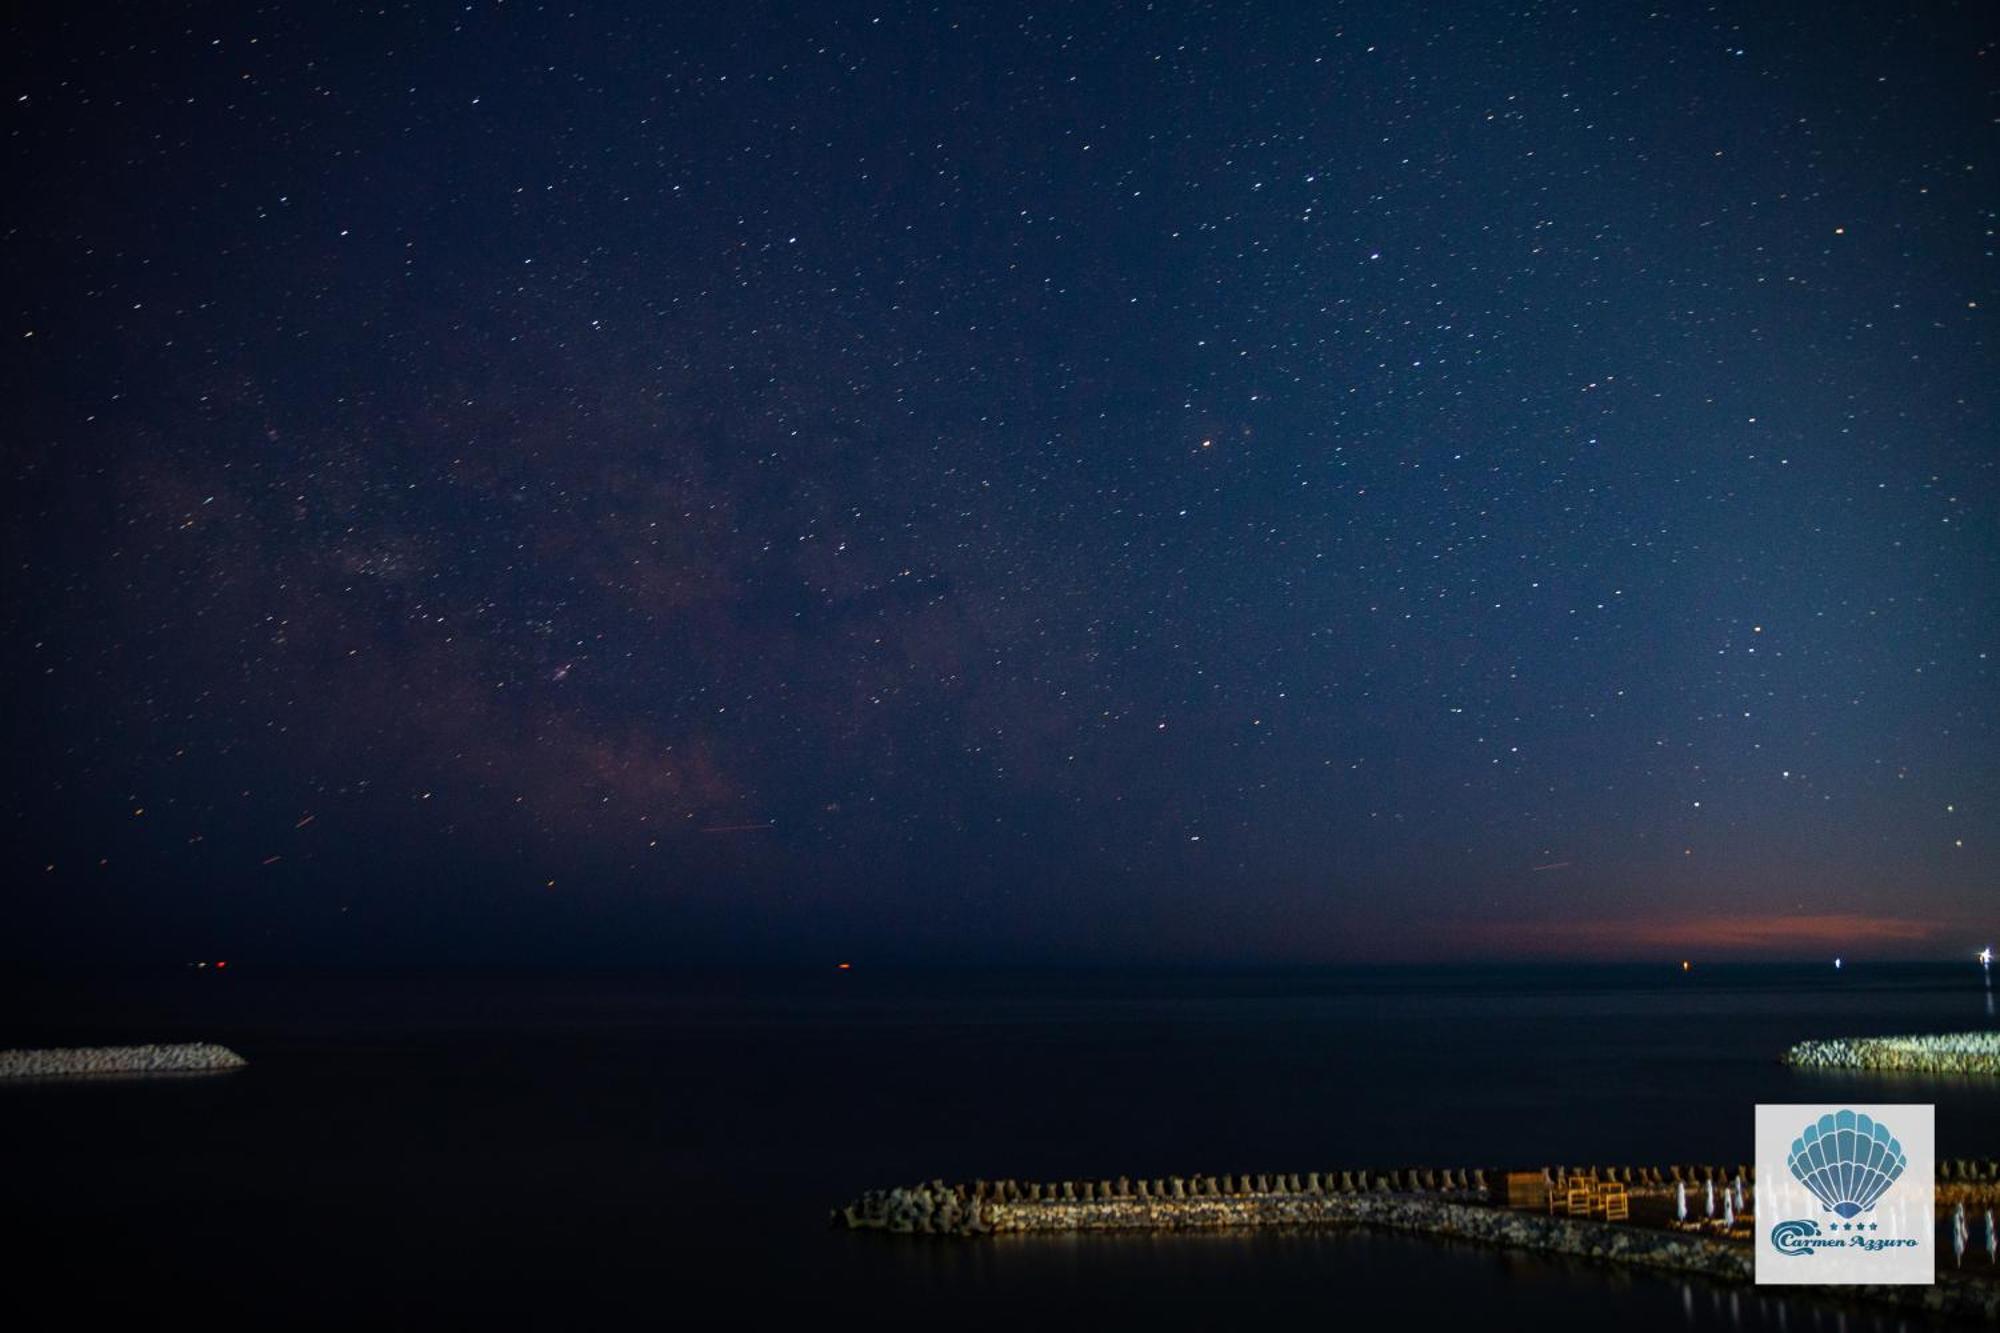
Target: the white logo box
(1861, 1205)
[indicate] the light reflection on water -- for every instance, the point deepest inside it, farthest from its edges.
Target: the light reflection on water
(1735, 1307)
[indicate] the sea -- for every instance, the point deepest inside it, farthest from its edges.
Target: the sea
(507, 1150)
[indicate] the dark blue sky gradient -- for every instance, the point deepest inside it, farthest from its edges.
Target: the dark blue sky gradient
(1083, 482)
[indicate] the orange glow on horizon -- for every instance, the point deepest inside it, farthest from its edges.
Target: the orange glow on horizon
(1852, 933)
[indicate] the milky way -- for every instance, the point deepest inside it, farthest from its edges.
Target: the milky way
(978, 482)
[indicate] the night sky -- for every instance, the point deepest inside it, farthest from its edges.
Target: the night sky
(979, 482)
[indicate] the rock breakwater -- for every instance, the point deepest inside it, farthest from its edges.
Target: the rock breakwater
(1279, 1198)
(1163, 1202)
(1938, 1053)
(939, 1209)
(1448, 1204)
(75, 1061)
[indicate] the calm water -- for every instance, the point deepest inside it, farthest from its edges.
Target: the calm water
(556, 1151)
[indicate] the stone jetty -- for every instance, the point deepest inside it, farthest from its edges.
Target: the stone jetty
(1285, 1198)
(1461, 1204)
(74, 1061)
(1940, 1053)
(1241, 1199)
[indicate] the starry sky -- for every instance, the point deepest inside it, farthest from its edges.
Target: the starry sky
(1114, 482)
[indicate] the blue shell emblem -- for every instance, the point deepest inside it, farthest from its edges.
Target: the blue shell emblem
(1847, 1159)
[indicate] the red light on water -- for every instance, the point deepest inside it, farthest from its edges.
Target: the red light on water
(220, 963)
(844, 967)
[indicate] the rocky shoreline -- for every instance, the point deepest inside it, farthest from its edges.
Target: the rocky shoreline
(1939, 1053)
(79, 1061)
(1183, 1202)
(1452, 1204)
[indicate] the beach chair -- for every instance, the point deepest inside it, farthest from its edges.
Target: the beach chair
(1577, 1197)
(1614, 1202)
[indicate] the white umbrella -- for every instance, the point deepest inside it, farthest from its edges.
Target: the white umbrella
(1681, 1202)
(1738, 1190)
(1958, 1234)
(1728, 1213)
(1992, 1240)
(1708, 1198)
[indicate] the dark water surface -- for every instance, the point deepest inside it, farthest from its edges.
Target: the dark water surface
(576, 1151)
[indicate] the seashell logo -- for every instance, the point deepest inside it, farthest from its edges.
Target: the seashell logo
(1846, 1192)
(1847, 1159)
